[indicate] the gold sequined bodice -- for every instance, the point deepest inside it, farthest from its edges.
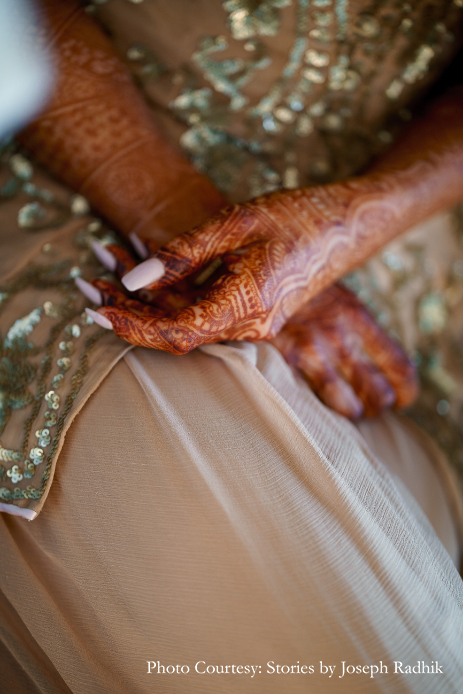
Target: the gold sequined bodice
(283, 92)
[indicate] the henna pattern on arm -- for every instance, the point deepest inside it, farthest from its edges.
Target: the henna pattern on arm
(283, 248)
(97, 135)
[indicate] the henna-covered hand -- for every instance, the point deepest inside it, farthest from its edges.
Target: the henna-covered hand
(280, 250)
(350, 363)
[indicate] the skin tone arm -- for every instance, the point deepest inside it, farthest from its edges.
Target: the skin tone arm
(97, 135)
(282, 249)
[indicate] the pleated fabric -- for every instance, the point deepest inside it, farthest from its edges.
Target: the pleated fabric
(209, 509)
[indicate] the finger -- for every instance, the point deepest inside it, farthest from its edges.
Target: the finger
(114, 257)
(326, 382)
(169, 301)
(140, 246)
(231, 300)
(125, 262)
(390, 359)
(188, 252)
(113, 296)
(369, 384)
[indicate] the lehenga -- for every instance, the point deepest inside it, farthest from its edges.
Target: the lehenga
(207, 511)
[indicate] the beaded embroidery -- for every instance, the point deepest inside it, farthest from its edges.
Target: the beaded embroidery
(43, 377)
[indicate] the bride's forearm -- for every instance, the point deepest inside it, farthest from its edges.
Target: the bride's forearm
(350, 221)
(97, 135)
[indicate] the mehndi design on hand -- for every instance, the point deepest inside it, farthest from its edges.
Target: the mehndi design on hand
(350, 363)
(348, 360)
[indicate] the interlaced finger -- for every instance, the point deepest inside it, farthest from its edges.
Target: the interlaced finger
(315, 361)
(390, 359)
(190, 251)
(114, 297)
(227, 304)
(369, 383)
(125, 262)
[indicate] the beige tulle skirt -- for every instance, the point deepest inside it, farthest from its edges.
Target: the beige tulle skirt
(207, 512)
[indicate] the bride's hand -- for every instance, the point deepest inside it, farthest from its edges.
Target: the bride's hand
(348, 360)
(267, 260)
(273, 260)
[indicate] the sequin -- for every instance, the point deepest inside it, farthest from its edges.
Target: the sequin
(9, 456)
(66, 346)
(314, 76)
(57, 381)
(406, 24)
(322, 35)
(419, 66)
(29, 469)
(37, 455)
(21, 167)
(323, 19)
(52, 399)
(432, 314)
(393, 261)
(367, 26)
(31, 214)
(317, 109)
(291, 177)
(395, 89)
(64, 364)
(285, 115)
(332, 121)
(15, 473)
(317, 58)
(304, 125)
(79, 205)
(51, 310)
(22, 327)
(50, 418)
(136, 52)
(94, 225)
(247, 18)
(43, 436)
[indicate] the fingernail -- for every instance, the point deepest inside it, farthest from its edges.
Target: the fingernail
(146, 273)
(105, 257)
(99, 319)
(139, 246)
(89, 290)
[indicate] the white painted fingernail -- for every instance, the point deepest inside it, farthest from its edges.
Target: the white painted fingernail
(146, 273)
(105, 257)
(139, 246)
(89, 290)
(99, 319)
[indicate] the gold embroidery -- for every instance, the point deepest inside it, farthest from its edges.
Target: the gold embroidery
(31, 371)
